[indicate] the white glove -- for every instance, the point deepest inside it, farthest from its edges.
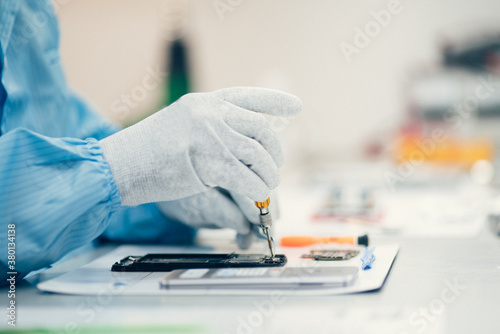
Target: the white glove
(203, 140)
(218, 208)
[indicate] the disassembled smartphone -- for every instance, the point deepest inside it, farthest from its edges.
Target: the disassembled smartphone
(260, 278)
(169, 262)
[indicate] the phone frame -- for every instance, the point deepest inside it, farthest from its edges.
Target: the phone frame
(169, 262)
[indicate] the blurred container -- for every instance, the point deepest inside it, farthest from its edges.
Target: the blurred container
(456, 152)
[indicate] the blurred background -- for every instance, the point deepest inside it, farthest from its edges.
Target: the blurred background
(376, 77)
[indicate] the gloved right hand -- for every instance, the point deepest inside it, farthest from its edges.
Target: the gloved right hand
(203, 140)
(218, 208)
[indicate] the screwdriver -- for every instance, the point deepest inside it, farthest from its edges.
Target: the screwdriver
(265, 222)
(303, 241)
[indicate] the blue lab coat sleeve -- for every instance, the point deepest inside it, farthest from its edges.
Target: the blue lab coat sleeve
(56, 189)
(58, 194)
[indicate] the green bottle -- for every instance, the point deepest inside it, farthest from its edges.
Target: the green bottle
(178, 72)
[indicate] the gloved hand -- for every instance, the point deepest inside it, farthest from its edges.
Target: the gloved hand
(201, 141)
(218, 208)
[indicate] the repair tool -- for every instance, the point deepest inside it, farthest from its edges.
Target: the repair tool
(265, 222)
(303, 241)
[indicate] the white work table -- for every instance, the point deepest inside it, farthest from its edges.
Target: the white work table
(435, 286)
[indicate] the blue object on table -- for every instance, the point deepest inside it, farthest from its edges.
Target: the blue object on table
(368, 258)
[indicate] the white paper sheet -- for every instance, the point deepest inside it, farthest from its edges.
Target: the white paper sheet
(97, 278)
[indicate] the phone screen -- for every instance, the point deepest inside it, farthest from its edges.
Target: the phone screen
(260, 277)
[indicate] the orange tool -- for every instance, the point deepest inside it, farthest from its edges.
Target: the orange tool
(303, 241)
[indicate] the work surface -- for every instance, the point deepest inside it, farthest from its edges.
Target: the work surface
(435, 286)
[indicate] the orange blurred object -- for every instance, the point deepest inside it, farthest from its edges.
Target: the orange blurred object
(445, 151)
(303, 241)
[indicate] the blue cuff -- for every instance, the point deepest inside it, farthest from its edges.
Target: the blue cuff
(95, 150)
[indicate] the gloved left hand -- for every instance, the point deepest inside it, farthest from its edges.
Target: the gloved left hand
(219, 208)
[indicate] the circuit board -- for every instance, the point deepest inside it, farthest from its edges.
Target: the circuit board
(331, 254)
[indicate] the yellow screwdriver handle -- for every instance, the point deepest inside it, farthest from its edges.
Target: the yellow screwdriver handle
(263, 205)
